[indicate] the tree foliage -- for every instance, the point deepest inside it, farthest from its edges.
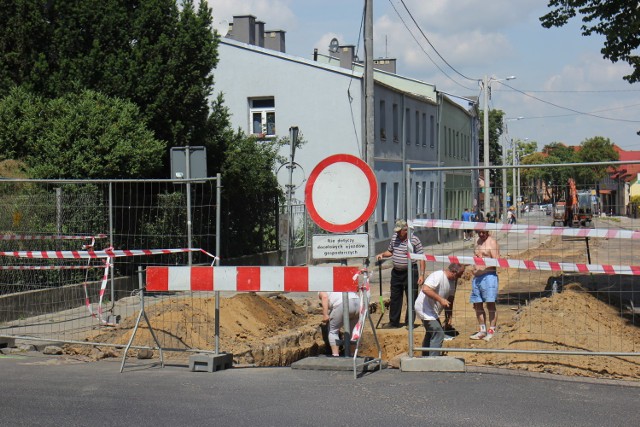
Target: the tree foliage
(592, 150)
(617, 20)
(151, 52)
(496, 120)
(85, 135)
(252, 193)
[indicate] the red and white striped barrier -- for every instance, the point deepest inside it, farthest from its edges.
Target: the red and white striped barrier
(526, 229)
(51, 237)
(107, 253)
(252, 279)
(633, 270)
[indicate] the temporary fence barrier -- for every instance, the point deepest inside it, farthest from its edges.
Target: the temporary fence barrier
(264, 279)
(81, 279)
(537, 264)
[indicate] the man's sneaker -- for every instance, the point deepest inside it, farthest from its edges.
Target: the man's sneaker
(390, 326)
(478, 336)
(490, 334)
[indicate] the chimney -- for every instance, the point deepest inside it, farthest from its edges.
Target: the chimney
(244, 29)
(346, 54)
(260, 33)
(385, 64)
(274, 40)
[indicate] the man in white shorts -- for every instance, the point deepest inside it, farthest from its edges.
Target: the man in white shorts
(332, 315)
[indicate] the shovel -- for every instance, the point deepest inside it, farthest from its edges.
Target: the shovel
(381, 299)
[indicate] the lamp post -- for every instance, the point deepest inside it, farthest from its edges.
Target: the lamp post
(486, 82)
(516, 162)
(504, 171)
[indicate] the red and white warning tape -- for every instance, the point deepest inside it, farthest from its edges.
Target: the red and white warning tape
(107, 253)
(633, 270)
(103, 287)
(47, 237)
(526, 229)
(364, 306)
(48, 267)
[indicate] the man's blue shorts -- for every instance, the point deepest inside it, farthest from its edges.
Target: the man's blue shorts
(484, 288)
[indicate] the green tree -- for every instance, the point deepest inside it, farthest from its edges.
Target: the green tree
(596, 149)
(618, 21)
(252, 195)
(151, 52)
(85, 135)
(496, 119)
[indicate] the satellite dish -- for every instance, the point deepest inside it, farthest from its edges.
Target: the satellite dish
(334, 45)
(221, 27)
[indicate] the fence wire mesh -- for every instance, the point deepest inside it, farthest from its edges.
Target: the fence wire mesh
(58, 298)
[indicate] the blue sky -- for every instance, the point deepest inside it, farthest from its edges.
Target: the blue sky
(497, 38)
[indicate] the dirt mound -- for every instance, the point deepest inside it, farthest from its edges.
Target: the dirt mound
(259, 330)
(573, 320)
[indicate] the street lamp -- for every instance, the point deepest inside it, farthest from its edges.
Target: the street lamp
(486, 82)
(504, 170)
(516, 162)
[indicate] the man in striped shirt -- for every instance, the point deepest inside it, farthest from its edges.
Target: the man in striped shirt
(397, 250)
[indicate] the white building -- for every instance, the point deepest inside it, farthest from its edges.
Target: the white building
(267, 91)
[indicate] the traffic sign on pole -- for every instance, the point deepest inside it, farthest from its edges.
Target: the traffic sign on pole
(341, 193)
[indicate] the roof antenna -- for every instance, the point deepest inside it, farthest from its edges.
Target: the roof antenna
(386, 53)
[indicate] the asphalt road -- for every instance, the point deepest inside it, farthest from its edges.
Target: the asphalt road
(43, 390)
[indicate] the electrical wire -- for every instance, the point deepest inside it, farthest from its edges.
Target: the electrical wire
(566, 108)
(349, 97)
(431, 44)
(426, 53)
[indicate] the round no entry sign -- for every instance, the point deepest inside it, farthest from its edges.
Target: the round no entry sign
(341, 193)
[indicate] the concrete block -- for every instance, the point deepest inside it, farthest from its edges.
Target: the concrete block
(328, 363)
(432, 364)
(210, 362)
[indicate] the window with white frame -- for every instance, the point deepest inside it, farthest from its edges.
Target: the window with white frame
(262, 113)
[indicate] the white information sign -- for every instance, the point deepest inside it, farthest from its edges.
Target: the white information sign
(340, 246)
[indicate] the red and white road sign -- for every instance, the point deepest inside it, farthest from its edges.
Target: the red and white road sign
(252, 279)
(341, 193)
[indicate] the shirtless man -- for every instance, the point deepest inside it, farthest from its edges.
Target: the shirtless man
(484, 287)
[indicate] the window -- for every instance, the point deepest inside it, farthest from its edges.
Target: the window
(446, 141)
(263, 117)
(383, 202)
(431, 197)
(417, 136)
(383, 121)
(424, 129)
(432, 131)
(416, 206)
(423, 203)
(407, 126)
(396, 200)
(396, 125)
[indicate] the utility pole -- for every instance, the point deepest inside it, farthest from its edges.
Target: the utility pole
(369, 108)
(504, 181)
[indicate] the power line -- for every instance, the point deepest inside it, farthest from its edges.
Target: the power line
(425, 52)
(431, 44)
(566, 108)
